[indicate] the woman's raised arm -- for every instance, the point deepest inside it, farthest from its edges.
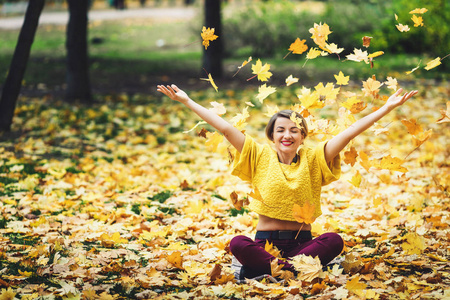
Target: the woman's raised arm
(231, 133)
(337, 143)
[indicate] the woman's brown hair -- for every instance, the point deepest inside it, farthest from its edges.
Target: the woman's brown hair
(285, 114)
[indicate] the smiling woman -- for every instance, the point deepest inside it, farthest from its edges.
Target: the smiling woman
(284, 178)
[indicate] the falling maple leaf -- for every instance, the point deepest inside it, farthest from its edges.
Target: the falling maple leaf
(375, 54)
(319, 34)
(358, 56)
(402, 28)
(433, 63)
(445, 114)
(419, 11)
(207, 36)
(371, 87)
(333, 48)
(366, 41)
(421, 137)
(213, 141)
(296, 120)
(313, 53)
(218, 108)
(238, 204)
(291, 80)
(305, 213)
(239, 120)
(341, 79)
(414, 69)
(356, 179)
(391, 83)
(392, 163)
(327, 93)
(243, 65)
(298, 47)
(310, 100)
(264, 91)
(350, 156)
(413, 127)
(211, 80)
(261, 71)
(418, 21)
(354, 105)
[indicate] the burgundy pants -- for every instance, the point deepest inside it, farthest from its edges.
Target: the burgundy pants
(251, 254)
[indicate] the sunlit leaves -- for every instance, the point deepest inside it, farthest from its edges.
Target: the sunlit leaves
(262, 71)
(433, 63)
(418, 21)
(298, 47)
(264, 91)
(305, 213)
(211, 80)
(319, 34)
(291, 80)
(341, 79)
(358, 55)
(207, 36)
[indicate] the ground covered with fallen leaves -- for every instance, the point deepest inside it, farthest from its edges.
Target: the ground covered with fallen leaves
(115, 201)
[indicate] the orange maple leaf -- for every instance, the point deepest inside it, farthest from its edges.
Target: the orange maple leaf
(392, 163)
(350, 156)
(418, 21)
(366, 41)
(445, 114)
(305, 213)
(413, 127)
(371, 87)
(207, 36)
(298, 47)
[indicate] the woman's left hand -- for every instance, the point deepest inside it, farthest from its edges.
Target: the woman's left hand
(396, 99)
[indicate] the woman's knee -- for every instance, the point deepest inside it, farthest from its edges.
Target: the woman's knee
(334, 241)
(238, 242)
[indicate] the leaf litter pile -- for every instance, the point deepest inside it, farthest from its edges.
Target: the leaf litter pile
(133, 197)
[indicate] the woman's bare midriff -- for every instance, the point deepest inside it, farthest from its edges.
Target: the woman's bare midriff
(269, 224)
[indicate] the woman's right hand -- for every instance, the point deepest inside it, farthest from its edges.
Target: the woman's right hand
(174, 93)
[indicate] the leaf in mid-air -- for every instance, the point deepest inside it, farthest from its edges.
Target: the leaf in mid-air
(418, 21)
(366, 41)
(298, 47)
(391, 83)
(243, 65)
(313, 53)
(402, 28)
(356, 179)
(433, 63)
(211, 80)
(305, 213)
(392, 163)
(319, 34)
(341, 79)
(262, 71)
(354, 105)
(371, 87)
(419, 11)
(218, 108)
(375, 54)
(350, 156)
(207, 36)
(445, 114)
(291, 80)
(214, 139)
(264, 91)
(310, 100)
(413, 127)
(358, 55)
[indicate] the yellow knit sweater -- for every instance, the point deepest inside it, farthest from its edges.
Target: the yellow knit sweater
(278, 186)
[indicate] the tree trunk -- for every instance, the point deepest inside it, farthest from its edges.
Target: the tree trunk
(78, 83)
(13, 82)
(212, 57)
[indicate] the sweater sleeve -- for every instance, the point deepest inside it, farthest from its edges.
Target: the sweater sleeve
(244, 165)
(330, 172)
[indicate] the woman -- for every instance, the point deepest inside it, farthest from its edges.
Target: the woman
(283, 177)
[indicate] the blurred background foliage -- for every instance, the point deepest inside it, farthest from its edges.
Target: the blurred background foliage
(265, 29)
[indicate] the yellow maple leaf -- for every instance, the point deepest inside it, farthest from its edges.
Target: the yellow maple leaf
(418, 65)
(375, 54)
(111, 240)
(213, 141)
(356, 179)
(243, 65)
(238, 204)
(313, 53)
(308, 267)
(365, 162)
(371, 87)
(354, 105)
(296, 120)
(298, 46)
(358, 55)
(355, 286)
(305, 213)
(207, 36)
(7, 294)
(327, 93)
(391, 83)
(433, 63)
(264, 91)
(414, 244)
(333, 48)
(419, 11)
(271, 249)
(392, 163)
(218, 108)
(341, 79)
(238, 121)
(262, 71)
(319, 34)
(402, 28)
(291, 80)
(310, 100)
(211, 80)
(413, 127)
(422, 137)
(271, 110)
(350, 156)
(175, 259)
(445, 114)
(418, 21)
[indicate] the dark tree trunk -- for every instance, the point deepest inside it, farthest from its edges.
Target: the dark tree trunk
(212, 57)
(13, 82)
(78, 83)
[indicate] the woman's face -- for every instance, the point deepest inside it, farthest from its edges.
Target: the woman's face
(286, 135)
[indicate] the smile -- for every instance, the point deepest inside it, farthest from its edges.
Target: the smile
(286, 143)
